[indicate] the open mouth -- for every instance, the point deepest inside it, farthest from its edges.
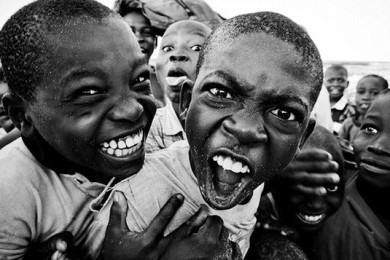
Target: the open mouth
(176, 76)
(123, 146)
(310, 219)
(229, 178)
(364, 106)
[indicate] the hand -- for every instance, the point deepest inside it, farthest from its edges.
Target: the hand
(58, 247)
(209, 242)
(312, 173)
(121, 243)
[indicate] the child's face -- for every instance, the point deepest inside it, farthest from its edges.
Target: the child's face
(177, 58)
(372, 144)
(5, 121)
(95, 105)
(142, 29)
(336, 82)
(248, 115)
(366, 90)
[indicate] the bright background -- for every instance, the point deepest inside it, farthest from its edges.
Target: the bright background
(344, 30)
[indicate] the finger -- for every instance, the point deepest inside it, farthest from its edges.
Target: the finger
(212, 227)
(118, 213)
(161, 221)
(311, 191)
(58, 242)
(314, 154)
(320, 179)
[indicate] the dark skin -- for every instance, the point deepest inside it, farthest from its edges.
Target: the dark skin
(372, 153)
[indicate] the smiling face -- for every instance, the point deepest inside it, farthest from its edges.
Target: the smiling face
(248, 115)
(143, 31)
(372, 144)
(95, 105)
(336, 82)
(366, 90)
(177, 58)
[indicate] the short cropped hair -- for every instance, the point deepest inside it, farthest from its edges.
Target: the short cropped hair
(25, 48)
(338, 67)
(384, 82)
(278, 26)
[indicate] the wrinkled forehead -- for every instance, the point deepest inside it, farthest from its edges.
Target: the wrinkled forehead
(187, 27)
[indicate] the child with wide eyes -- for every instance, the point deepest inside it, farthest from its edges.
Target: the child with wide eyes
(360, 229)
(175, 63)
(367, 89)
(249, 115)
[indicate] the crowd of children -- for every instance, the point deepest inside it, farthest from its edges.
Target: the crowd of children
(211, 154)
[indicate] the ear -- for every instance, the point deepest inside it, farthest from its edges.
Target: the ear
(306, 134)
(16, 110)
(185, 99)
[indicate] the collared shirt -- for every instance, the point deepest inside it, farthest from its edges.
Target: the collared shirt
(340, 111)
(165, 130)
(37, 203)
(164, 174)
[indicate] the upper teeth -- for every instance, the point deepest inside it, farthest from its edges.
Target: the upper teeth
(311, 218)
(123, 146)
(228, 163)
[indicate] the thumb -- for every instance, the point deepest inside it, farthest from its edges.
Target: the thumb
(118, 213)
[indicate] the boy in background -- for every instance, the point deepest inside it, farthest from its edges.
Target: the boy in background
(79, 91)
(336, 81)
(367, 89)
(360, 228)
(176, 63)
(248, 117)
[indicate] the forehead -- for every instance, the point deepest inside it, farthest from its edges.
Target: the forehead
(135, 17)
(371, 82)
(258, 58)
(335, 73)
(190, 28)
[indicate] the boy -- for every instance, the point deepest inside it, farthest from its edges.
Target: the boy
(367, 89)
(132, 13)
(176, 62)
(79, 90)
(360, 228)
(336, 81)
(248, 117)
(292, 208)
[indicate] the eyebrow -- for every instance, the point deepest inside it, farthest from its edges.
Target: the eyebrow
(269, 97)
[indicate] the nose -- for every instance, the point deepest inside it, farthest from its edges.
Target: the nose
(178, 57)
(127, 108)
(316, 203)
(247, 128)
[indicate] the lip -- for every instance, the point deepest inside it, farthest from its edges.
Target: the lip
(310, 219)
(176, 72)
(224, 195)
(375, 166)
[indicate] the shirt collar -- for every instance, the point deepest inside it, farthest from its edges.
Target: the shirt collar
(340, 105)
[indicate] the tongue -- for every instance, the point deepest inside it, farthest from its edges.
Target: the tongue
(174, 81)
(227, 177)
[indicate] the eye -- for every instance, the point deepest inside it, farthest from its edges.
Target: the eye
(167, 48)
(142, 82)
(283, 114)
(89, 92)
(220, 93)
(370, 129)
(141, 79)
(196, 47)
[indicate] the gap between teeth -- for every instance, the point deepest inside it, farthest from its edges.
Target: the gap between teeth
(228, 163)
(124, 146)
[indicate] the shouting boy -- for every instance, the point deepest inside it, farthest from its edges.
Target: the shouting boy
(258, 77)
(80, 95)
